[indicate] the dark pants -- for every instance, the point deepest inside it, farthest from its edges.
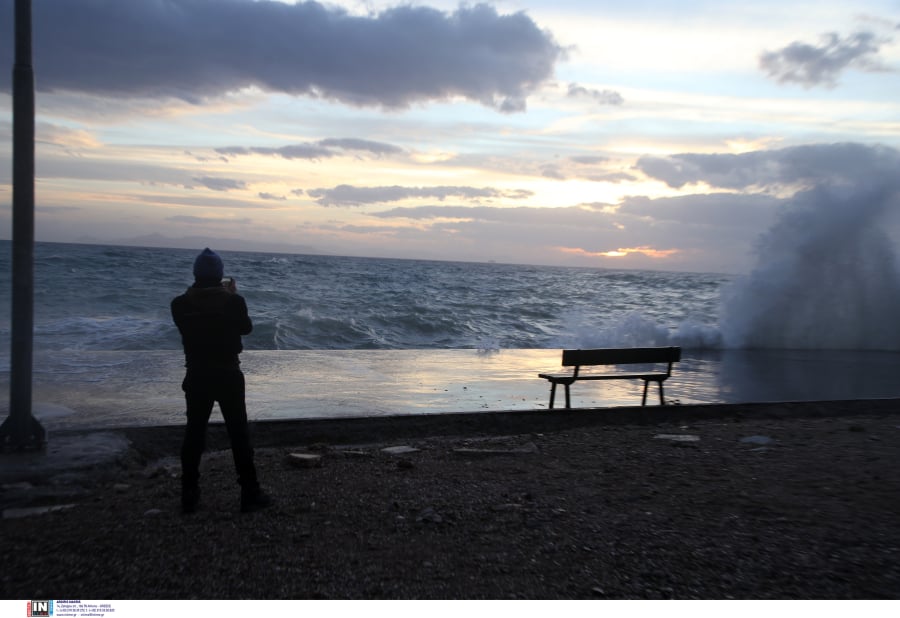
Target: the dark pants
(202, 388)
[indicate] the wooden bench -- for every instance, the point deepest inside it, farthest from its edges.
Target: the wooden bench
(614, 356)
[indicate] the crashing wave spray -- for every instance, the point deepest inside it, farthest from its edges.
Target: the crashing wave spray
(826, 274)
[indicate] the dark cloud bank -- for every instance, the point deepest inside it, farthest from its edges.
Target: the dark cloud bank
(808, 165)
(195, 49)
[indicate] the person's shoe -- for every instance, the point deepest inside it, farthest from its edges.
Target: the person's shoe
(254, 500)
(190, 498)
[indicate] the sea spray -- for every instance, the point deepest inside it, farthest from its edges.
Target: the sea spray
(826, 275)
(635, 329)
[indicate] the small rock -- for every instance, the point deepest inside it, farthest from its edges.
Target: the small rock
(677, 437)
(121, 488)
(304, 460)
(429, 515)
(526, 449)
(399, 450)
(152, 512)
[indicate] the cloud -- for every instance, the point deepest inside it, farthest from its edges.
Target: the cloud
(197, 49)
(788, 167)
(271, 196)
(589, 159)
(612, 177)
(66, 137)
(295, 151)
(195, 201)
(719, 210)
(191, 220)
(220, 184)
(603, 97)
(585, 167)
(378, 148)
(348, 195)
(809, 65)
(552, 171)
(589, 218)
(322, 149)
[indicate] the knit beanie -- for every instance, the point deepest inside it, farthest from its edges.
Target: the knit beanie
(208, 265)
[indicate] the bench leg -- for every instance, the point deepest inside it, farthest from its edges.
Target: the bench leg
(662, 398)
(553, 394)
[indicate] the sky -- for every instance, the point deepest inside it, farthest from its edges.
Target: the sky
(643, 134)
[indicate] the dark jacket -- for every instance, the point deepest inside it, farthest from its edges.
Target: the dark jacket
(211, 321)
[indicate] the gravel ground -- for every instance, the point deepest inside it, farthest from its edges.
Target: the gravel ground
(743, 506)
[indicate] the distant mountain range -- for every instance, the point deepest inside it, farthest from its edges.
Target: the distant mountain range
(199, 242)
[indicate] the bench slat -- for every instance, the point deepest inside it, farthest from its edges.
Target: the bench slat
(619, 375)
(620, 356)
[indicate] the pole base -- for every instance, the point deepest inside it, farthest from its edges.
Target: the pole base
(22, 434)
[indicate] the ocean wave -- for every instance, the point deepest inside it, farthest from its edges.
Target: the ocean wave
(119, 300)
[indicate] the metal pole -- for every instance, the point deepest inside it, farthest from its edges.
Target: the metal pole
(21, 431)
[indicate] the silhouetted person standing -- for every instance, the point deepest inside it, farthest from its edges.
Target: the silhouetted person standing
(211, 317)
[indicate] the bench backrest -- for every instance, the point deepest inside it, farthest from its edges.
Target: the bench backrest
(621, 356)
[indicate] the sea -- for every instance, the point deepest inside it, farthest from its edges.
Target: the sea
(355, 336)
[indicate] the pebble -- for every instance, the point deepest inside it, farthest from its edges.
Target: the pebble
(429, 515)
(399, 450)
(677, 437)
(355, 453)
(304, 460)
(526, 449)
